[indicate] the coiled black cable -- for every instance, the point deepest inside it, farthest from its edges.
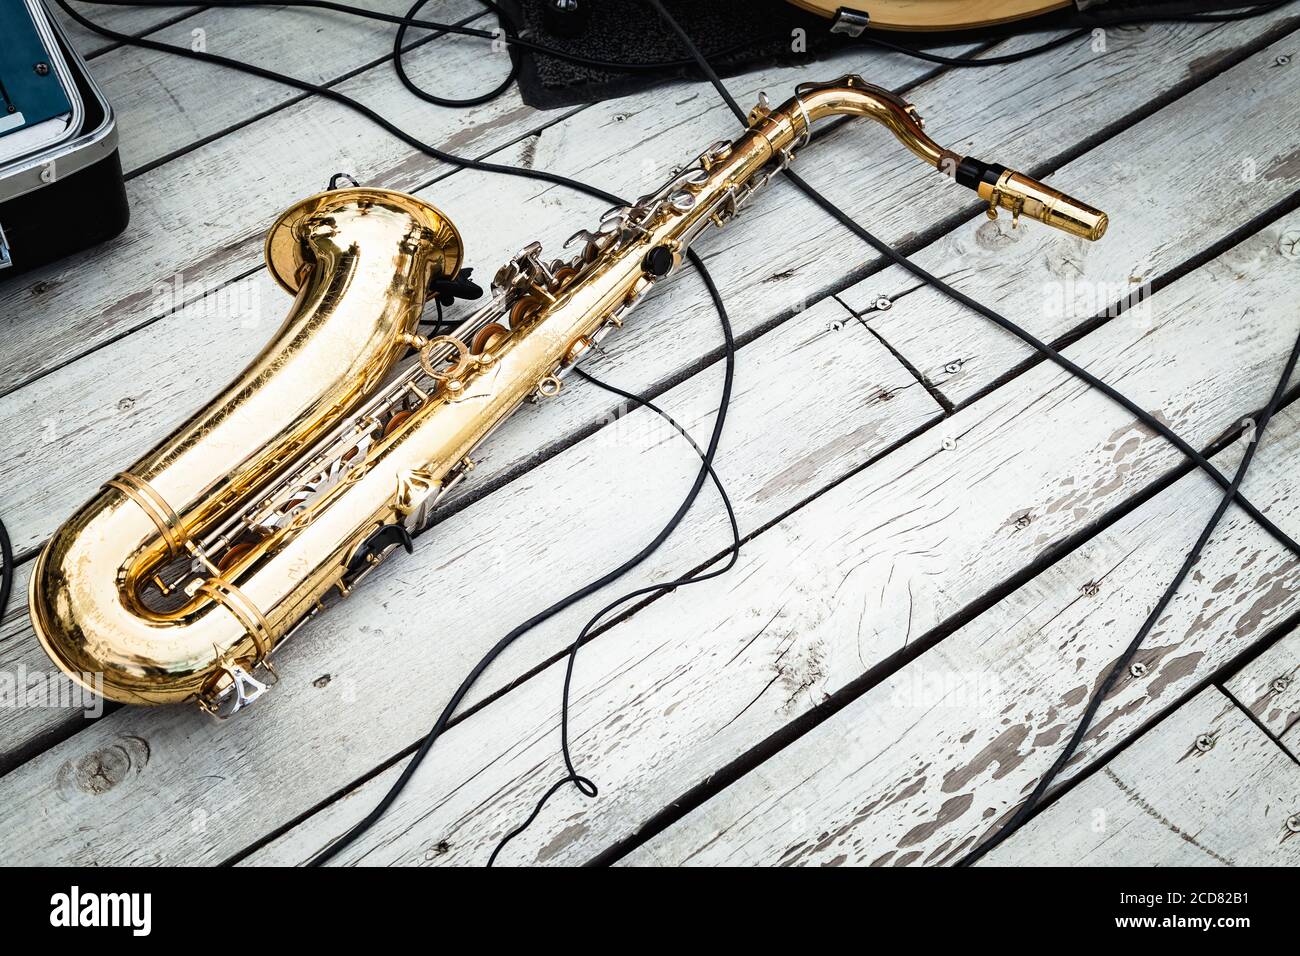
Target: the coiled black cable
(399, 64)
(706, 470)
(440, 725)
(584, 785)
(510, 35)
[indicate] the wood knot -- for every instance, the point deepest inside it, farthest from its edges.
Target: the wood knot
(997, 234)
(101, 770)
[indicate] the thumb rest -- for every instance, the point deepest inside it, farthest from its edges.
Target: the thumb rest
(183, 575)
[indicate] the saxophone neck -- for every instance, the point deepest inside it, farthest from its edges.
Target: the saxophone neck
(789, 126)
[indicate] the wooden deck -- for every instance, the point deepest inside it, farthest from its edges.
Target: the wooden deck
(948, 542)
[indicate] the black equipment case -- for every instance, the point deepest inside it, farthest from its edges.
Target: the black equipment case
(61, 187)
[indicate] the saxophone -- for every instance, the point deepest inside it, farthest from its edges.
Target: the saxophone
(183, 575)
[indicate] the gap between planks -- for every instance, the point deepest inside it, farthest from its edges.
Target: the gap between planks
(211, 363)
(1209, 63)
(499, 794)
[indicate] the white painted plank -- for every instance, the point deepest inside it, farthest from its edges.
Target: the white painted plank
(782, 238)
(787, 224)
(1269, 687)
(940, 753)
(166, 103)
(697, 679)
(1206, 787)
(802, 247)
(490, 566)
(37, 703)
(135, 21)
(1189, 176)
(202, 216)
(84, 438)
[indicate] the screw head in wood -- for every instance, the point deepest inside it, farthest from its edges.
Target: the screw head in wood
(1138, 669)
(1204, 743)
(1280, 684)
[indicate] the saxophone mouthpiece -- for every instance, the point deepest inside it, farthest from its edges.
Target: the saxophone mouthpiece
(1025, 196)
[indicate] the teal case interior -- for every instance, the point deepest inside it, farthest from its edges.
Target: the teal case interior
(27, 95)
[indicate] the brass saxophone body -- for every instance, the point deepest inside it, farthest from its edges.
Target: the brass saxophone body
(183, 575)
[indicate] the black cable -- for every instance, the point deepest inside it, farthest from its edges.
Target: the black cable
(1231, 493)
(511, 37)
(583, 784)
(1093, 381)
(327, 92)
(1097, 23)
(7, 572)
(1103, 691)
(326, 854)
(1143, 416)
(400, 67)
(1048, 351)
(1252, 10)
(971, 59)
(705, 471)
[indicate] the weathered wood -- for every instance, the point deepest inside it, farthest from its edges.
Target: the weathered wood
(166, 103)
(176, 748)
(1269, 687)
(540, 537)
(937, 755)
(1171, 189)
(695, 680)
(83, 437)
(135, 21)
(783, 237)
(199, 220)
(803, 252)
(1206, 787)
(38, 705)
